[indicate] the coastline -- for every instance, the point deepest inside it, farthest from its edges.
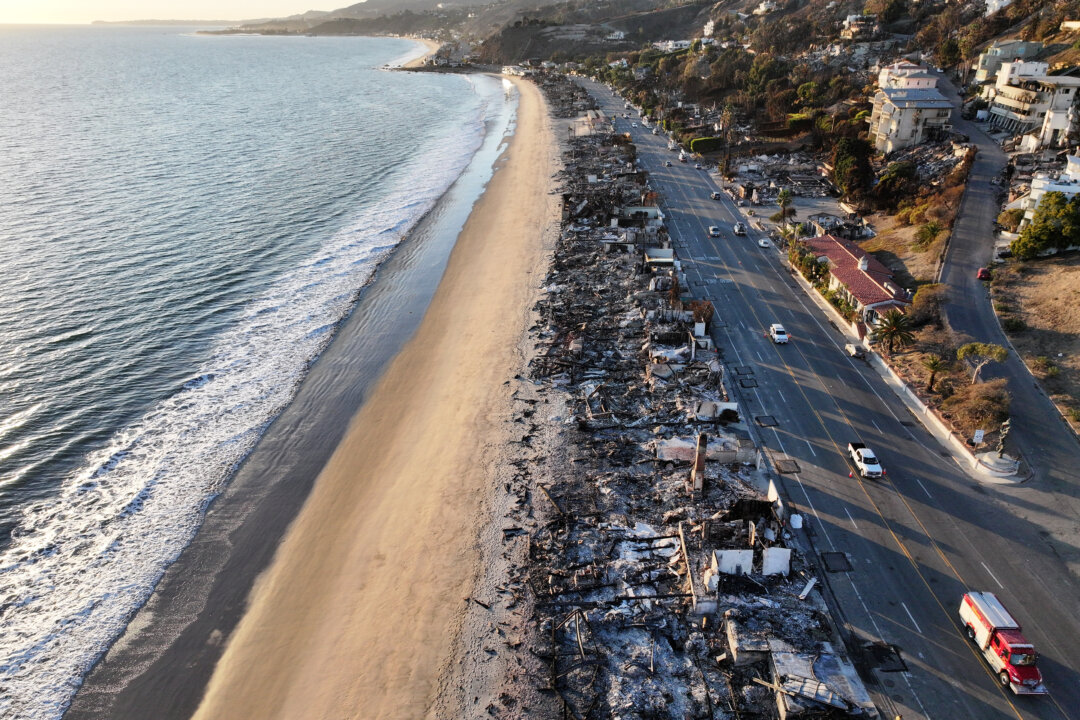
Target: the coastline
(430, 48)
(360, 606)
(201, 597)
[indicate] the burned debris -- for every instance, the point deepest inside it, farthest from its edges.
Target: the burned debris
(662, 574)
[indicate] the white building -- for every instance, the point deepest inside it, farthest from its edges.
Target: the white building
(906, 75)
(1024, 100)
(765, 7)
(992, 6)
(989, 62)
(709, 28)
(1067, 183)
(904, 117)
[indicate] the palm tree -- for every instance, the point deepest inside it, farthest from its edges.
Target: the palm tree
(784, 199)
(893, 329)
(935, 364)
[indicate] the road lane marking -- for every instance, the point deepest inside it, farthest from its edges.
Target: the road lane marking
(853, 523)
(924, 489)
(875, 424)
(810, 446)
(912, 617)
(992, 575)
(759, 358)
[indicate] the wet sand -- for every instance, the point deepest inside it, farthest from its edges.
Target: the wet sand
(358, 612)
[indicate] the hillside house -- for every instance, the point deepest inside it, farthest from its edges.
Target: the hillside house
(859, 27)
(859, 277)
(1025, 100)
(989, 61)
(1067, 183)
(903, 117)
(906, 75)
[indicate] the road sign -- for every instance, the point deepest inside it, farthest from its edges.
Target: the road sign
(979, 436)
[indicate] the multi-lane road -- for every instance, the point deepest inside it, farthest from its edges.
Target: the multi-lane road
(915, 540)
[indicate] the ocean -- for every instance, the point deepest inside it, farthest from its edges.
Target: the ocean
(185, 222)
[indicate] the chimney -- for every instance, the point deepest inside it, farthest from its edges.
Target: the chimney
(864, 263)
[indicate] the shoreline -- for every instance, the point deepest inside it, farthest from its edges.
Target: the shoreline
(359, 608)
(200, 597)
(431, 47)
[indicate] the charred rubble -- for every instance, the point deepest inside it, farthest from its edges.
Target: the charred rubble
(662, 573)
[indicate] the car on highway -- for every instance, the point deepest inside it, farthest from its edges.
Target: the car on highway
(667, 163)
(778, 334)
(714, 231)
(714, 195)
(739, 229)
(633, 124)
(656, 131)
(764, 242)
(982, 274)
(698, 166)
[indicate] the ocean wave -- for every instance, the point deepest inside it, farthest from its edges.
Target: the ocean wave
(81, 562)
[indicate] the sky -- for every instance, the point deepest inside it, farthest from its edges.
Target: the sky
(84, 11)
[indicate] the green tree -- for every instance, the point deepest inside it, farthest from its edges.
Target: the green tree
(808, 94)
(934, 364)
(893, 330)
(899, 180)
(948, 53)
(978, 355)
(784, 200)
(1055, 226)
(851, 165)
(1010, 219)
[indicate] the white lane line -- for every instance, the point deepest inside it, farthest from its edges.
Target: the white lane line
(853, 523)
(759, 358)
(811, 447)
(741, 325)
(993, 576)
(912, 617)
(924, 489)
(875, 425)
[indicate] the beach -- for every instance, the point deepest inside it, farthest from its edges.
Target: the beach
(360, 610)
(430, 48)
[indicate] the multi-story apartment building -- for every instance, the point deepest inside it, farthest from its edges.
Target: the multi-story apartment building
(989, 61)
(1024, 100)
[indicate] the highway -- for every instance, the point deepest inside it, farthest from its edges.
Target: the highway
(915, 540)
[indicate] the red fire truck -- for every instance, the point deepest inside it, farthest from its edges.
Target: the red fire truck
(997, 634)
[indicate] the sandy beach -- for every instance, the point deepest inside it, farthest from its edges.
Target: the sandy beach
(431, 46)
(360, 610)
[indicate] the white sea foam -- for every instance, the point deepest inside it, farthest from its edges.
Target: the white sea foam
(80, 563)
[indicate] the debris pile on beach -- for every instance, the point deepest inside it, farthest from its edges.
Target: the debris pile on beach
(662, 578)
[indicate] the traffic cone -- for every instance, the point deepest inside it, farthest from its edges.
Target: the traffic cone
(850, 474)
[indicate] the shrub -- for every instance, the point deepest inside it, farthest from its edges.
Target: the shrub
(1002, 307)
(926, 305)
(1010, 219)
(1013, 324)
(985, 405)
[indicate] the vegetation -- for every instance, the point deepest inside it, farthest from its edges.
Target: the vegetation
(978, 355)
(1010, 219)
(985, 405)
(934, 364)
(1055, 226)
(893, 330)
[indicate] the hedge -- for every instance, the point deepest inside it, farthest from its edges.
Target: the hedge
(706, 144)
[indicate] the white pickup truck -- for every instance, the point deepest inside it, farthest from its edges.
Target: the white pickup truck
(865, 460)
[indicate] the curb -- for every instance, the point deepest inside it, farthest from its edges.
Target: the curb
(959, 452)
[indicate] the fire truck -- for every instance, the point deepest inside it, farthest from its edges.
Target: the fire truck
(997, 634)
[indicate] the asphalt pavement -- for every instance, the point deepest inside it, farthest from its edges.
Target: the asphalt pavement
(899, 552)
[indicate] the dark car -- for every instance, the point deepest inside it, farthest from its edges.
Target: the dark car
(982, 274)
(714, 195)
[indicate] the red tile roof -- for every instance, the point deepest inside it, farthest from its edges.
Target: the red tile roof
(867, 286)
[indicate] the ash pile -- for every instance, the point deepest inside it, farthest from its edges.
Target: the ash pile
(664, 578)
